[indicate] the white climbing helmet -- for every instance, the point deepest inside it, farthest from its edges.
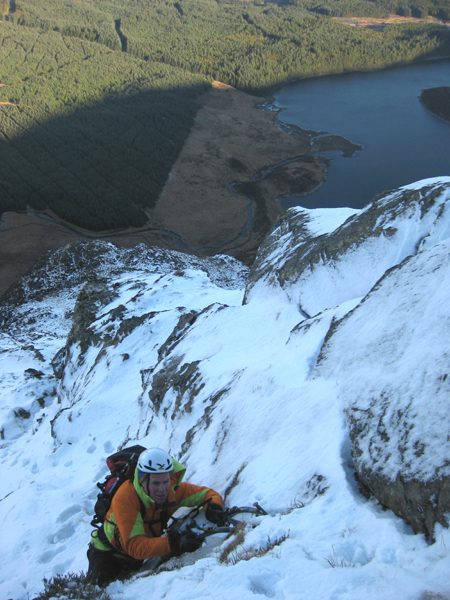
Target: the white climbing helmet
(155, 460)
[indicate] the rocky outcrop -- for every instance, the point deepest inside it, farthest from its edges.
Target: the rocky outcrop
(71, 265)
(322, 271)
(396, 388)
(389, 355)
(81, 262)
(90, 300)
(421, 504)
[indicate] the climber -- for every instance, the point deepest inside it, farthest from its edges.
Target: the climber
(139, 512)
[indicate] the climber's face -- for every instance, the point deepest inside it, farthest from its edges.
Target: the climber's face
(157, 486)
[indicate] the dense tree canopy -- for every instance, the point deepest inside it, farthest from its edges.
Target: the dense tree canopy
(377, 8)
(99, 96)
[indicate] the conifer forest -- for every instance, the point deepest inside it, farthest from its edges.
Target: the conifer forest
(97, 96)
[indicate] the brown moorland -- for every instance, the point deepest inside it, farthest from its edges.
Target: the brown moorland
(199, 211)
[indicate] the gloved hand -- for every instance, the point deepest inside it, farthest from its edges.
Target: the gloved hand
(186, 541)
(216, 514)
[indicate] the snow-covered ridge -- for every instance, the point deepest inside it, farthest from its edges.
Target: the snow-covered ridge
(323, 261)
(340, 345)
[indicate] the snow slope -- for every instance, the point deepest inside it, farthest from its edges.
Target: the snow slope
(236, 393)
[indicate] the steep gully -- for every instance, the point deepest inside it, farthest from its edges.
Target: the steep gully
(122, 37)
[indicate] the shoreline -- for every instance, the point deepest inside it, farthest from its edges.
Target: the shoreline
(273, 90)
(233, 138)
(232, 141)
(436, 102)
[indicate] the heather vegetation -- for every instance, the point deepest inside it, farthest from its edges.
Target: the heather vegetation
(98, 97)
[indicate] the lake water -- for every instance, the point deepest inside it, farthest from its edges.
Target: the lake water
(380, 110)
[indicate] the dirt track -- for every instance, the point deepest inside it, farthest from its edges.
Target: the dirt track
(231, 141)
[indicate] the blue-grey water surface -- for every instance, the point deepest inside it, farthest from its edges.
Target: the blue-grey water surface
(381, 111)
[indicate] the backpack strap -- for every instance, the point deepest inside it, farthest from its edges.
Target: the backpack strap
(164, 519)
(104, 538)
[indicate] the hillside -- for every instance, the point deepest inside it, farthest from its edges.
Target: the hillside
(315, 384)
(199, 210)
(98, 98)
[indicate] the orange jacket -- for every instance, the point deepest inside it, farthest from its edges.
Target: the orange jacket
(139, 537)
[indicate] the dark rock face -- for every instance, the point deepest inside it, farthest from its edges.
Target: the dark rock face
(172, 373)
(387, 432)
(91, 298)
(421, 504)
(184, 379)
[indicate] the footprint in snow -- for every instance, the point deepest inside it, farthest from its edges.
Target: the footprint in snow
(69, 512)
(264, 585)
(65, 532)
(49, 555)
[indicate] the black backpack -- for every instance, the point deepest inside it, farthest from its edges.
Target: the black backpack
(122, 465)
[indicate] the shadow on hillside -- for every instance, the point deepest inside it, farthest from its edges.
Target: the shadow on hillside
(96, 166)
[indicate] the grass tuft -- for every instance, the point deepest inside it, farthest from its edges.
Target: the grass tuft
(235, 551)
